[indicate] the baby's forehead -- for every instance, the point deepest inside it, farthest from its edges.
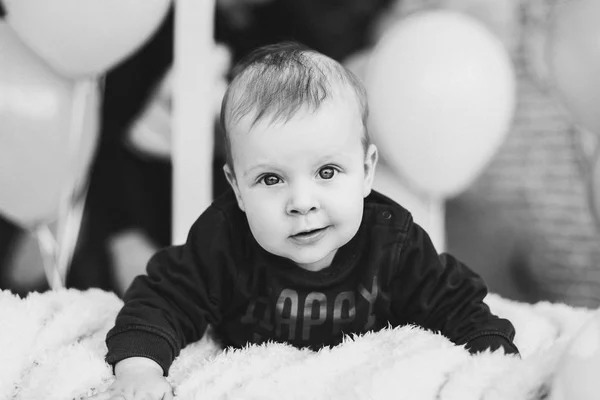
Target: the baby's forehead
(274, 117)
(245, 106)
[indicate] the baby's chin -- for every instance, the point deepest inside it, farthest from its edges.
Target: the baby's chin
(314, 262)
(310, 261)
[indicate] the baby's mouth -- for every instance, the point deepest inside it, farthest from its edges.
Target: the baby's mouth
(308, 233)
(308, 237)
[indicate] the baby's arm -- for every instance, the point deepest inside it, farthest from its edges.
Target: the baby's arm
(137, 378)
(442, 294)
(185, 289)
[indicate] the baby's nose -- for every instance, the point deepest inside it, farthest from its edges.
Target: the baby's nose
(302, 201)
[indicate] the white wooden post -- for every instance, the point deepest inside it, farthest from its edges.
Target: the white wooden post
(192, 142)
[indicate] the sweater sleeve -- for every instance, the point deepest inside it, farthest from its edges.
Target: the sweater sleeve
(186, 288)
(441, 294)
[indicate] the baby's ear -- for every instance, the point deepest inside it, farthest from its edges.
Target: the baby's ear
(234, 185)
(371, 159)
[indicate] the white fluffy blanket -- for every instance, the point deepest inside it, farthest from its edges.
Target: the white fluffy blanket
(52, 347)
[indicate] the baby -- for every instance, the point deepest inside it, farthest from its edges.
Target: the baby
(302, 250)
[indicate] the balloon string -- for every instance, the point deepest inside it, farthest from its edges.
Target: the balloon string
(57, 255)
(48, 246)
(593, 188)
(437, 215)
(57, 251)
(71, 212)
(590, 167)
(72, 205)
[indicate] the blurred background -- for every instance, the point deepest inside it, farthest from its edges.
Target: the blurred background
(484, 112)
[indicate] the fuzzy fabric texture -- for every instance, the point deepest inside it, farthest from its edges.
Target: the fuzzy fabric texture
(52, 347)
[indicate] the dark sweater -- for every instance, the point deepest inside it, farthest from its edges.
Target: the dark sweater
(388, 274)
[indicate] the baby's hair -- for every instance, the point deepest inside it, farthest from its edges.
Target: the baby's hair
(277, 80)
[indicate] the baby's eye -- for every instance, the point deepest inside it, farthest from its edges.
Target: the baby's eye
(327, 172)
(270, 180)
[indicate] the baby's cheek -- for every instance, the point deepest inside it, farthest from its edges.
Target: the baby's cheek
(264, 219)
(347, 209)
(263, 205)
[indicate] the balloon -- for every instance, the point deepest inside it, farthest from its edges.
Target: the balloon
(574, 59)
(48, 132)
(576, 376)
(441, 92)
(82, 37)
(500, 17)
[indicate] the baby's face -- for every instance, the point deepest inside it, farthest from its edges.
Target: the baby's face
(302, 183)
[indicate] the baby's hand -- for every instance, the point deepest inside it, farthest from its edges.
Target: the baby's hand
(137, 378)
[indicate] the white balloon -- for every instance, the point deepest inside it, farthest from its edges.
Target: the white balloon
(48, 133)
(441, 92)
(573, 56)
(84, 37)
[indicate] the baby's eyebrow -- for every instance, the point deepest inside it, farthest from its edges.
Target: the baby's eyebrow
(250, 170)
